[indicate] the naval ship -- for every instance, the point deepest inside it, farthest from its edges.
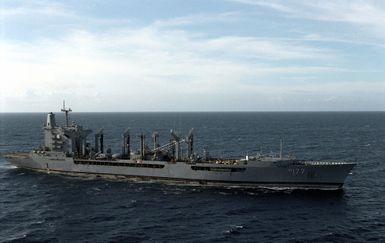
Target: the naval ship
(66, 151)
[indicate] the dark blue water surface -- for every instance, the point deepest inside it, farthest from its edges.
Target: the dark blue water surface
(45, 207)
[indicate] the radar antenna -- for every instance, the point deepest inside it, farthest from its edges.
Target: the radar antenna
(66, 111)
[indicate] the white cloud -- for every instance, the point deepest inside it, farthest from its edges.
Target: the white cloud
(367, 13)
(356, 12)
(35, 8)
(196, 19)
(267, 49)
(162, 66)
(141, 62)
(269, 4)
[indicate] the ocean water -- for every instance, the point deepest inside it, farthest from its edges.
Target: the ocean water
(54, 208)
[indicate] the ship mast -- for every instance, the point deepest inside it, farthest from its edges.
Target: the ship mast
(66, 111)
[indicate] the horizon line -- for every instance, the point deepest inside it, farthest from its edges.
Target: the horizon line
(197, 111)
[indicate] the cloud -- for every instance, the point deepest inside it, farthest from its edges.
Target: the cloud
(141, 62)
(164, 65)
(267, 49)
(268, 4)
(355, 12)
(197, 19)
(149, 69)
(35, 8)
(368, 13)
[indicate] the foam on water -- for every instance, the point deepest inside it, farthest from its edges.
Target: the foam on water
(7, 166)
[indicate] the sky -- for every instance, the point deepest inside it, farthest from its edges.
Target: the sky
(197, 55)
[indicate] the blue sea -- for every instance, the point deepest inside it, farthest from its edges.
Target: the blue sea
(39, 207)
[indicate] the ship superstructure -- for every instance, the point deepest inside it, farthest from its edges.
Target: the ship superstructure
(66, 150)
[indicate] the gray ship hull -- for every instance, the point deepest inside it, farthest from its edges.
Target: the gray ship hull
(253, 174)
